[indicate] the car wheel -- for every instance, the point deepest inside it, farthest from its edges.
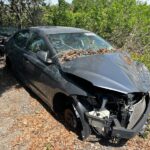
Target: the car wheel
(70, 119)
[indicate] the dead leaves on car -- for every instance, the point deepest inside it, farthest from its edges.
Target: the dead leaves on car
(72, 54)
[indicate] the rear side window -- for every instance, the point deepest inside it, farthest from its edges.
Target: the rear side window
(36, 44)
(21, 38)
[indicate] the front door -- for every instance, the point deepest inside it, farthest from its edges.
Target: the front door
(36, 70)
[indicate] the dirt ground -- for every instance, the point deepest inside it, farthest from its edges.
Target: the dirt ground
(26, 123)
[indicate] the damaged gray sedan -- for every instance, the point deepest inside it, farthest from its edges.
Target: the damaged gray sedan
(80, 75)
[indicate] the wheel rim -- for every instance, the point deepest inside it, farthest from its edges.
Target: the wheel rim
(70, 119)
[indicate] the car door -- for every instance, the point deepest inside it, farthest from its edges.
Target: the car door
(36, 70)
(18, 49)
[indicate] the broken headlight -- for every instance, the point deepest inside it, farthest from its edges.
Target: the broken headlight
(125, 112)
(90, 102)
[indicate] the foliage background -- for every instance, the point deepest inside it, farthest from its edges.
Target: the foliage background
(124, 23)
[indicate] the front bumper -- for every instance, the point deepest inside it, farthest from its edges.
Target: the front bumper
(117, 130)
(129, 133)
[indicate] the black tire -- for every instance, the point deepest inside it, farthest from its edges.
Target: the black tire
(71, 120)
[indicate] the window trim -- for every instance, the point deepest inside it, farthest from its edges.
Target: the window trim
(30, 39)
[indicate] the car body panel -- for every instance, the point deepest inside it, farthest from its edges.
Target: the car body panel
(103, 71)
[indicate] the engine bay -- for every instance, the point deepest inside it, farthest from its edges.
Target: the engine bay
(111, 112)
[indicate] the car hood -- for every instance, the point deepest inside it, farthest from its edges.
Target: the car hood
(113, 71)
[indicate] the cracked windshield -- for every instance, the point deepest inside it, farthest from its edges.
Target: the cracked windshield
(69, 46)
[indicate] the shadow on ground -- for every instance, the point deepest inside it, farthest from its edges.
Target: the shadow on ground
(7, 81)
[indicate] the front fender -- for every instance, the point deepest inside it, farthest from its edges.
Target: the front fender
(80, 111)
(72, 89)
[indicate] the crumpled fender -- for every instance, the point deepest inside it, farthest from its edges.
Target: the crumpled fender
(80, 111)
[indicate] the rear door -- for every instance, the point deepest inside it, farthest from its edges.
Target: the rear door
(18, 50)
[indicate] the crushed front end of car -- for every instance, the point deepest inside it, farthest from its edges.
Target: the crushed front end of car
(120, 117)
(117, 101)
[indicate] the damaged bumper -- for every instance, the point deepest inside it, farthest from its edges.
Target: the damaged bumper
(111, 126)
(120, 132)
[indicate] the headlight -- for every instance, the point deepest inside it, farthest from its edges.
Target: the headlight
(87, 100)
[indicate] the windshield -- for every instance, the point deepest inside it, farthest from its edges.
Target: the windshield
(69, 46)
(78, 41)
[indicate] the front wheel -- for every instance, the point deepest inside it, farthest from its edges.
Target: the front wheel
(71, 119)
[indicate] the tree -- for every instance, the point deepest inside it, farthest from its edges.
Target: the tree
(118, 21)
(26, 12)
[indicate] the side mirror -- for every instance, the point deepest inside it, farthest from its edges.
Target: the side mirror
(43, 56)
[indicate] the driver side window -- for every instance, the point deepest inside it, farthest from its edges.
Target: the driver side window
(21, 38)
(36, 44)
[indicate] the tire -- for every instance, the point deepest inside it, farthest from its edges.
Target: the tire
(71, 120)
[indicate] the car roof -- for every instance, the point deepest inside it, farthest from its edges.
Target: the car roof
(57, 29)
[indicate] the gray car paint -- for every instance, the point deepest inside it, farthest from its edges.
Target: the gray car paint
(57, 29)
(110, 71)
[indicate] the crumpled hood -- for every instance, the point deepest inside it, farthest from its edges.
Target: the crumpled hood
(114, 71)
